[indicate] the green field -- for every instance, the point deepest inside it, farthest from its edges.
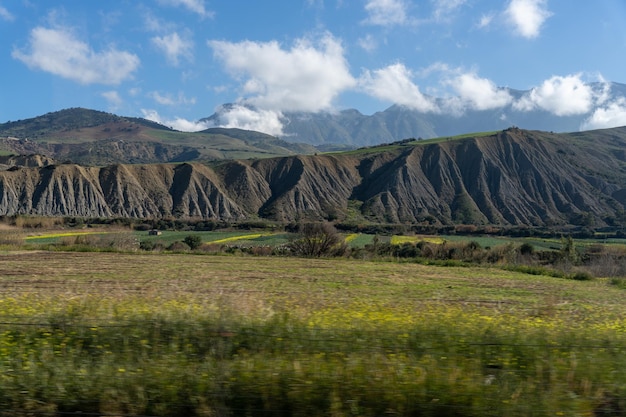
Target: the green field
(393, 147)
(103, 236)
(182, 335)
(165, 237)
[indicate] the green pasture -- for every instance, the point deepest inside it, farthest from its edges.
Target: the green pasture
(46, 238)
(181, 335)
(272, 239)
(457, 137)
(252, 238)
(393, 147)
(212, 145)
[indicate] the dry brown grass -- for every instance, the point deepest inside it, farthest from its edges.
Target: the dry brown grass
(37, 222)
(303, 284)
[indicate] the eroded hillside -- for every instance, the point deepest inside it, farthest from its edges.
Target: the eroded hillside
(515, 177)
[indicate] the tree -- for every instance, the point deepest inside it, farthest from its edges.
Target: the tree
(193, 241)
(526, 249)
(315, 240)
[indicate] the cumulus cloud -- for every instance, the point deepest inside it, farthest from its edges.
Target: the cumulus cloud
(174, 47)
(394, 84)
(562, 96)
(479, 93)
(195, 6)
(6, 15)
(527, 16)
(306, 77)
(177, 123)
(386, 12)
(243, 117)
(57, 51)
(612, 114)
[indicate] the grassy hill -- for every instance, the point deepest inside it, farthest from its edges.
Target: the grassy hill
(93, 137)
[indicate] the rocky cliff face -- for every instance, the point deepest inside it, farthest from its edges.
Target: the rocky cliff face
(512, 178)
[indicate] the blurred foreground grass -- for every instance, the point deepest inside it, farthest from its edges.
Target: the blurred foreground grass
(184, 335)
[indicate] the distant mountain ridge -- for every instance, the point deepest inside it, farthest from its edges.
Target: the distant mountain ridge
(512, 178)
(98, 138)
(350, 127)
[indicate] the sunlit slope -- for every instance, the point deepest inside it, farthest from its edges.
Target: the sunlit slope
(98, 138)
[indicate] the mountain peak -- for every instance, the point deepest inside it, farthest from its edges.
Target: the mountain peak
(478, 109)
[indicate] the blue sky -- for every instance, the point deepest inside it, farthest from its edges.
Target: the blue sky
(176, 61)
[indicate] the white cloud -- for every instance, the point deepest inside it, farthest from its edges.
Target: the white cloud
(174, 47)
(386, 12)
(479, 93)
(307, 77)
(152, 23)
(243, 117)
(6, 15)
(113, 97)
(368, 43)
(170, 100)
(562, 96)
(195, 6)
(234, 116)
(394, 84)
(527, 16)
(443, 8)
(177, 123)
(485, 20)
(57, 51)
(611, 115)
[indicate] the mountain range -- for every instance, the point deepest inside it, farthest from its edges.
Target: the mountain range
(354, 129)
(96, 138)
(512, 177)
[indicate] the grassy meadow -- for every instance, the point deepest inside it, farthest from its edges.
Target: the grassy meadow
(159, 334)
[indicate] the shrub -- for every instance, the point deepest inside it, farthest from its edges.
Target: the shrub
(526, 249)
(315, 240)
(143, 227)
(178, 246)
(193, 241)
(536, 270)
(147, 245)
(406, 250)
(619, 282)
(581, 276)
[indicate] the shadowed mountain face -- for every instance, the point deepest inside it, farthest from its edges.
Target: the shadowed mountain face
(514, 177)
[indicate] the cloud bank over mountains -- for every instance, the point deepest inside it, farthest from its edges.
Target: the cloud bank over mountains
(311, 73)
(309, 76)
